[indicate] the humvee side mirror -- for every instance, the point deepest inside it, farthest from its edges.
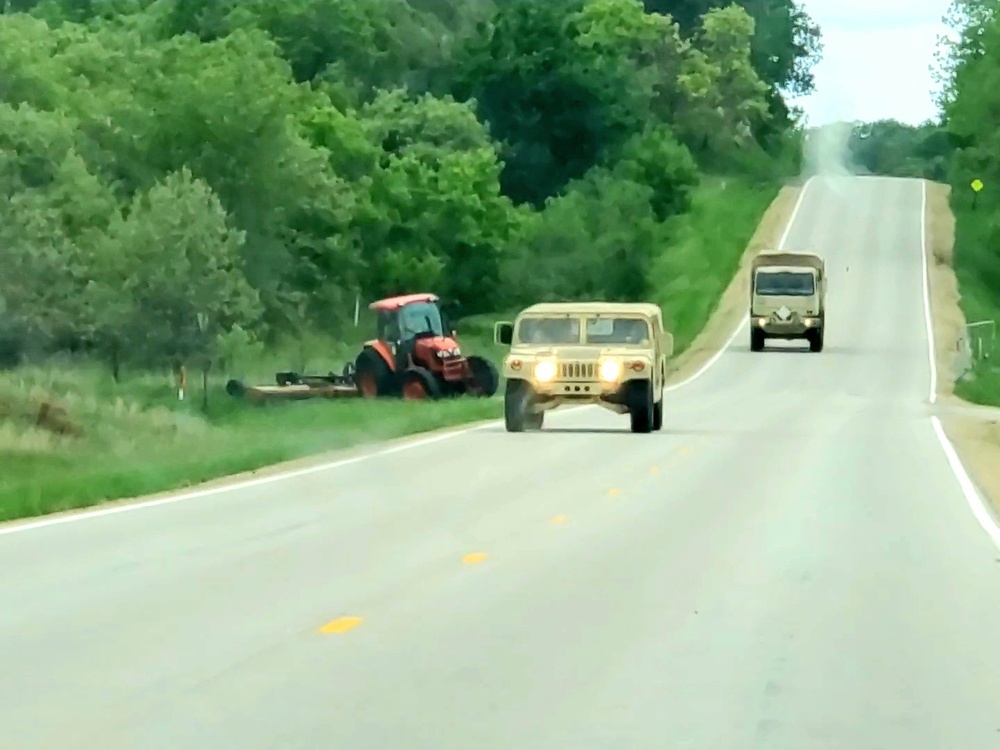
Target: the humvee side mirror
(503, 333)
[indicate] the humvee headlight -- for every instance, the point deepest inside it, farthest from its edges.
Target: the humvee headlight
(610, 370)
(545, 371)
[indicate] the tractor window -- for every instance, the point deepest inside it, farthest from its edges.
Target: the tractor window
(549, 331)
(785, 284)
(618, 331)
(388, 327)
(420, 318)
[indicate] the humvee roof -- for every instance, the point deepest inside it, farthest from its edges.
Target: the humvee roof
(584, 308)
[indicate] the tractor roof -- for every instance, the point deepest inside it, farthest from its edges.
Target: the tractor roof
(390, 304)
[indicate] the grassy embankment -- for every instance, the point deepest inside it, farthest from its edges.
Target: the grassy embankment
(139, 439)
(977, 269)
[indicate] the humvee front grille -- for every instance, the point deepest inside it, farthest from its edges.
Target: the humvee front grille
(577, 370)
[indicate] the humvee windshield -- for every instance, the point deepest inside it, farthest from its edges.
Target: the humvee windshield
(549, 330)
(785, 284)
(617, 331)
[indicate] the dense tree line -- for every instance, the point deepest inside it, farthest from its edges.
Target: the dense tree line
(889, 147)
(970, 99)
(182, 171)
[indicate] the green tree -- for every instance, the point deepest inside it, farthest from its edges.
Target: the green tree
(175, 282)
(555, 109)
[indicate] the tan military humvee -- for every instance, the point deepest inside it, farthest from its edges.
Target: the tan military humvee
(613, 354)
(787, 298)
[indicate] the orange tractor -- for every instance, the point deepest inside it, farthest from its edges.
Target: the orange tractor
(416, 355)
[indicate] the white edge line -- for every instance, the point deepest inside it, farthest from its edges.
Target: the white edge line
(975, 501)
(71, 516)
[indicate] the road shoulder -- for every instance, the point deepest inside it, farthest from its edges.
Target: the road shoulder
(973, 430)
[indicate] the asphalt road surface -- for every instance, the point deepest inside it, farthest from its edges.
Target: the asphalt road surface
(789, 565)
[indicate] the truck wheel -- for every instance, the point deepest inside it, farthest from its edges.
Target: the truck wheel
(642, 412)
(485, 380)
(419, 384)
(658, 415)
(816, 340)
(517, 403)
(757, 338)
(373, 376)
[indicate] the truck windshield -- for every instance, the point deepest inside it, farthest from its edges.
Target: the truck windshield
(785, 284)
(549, 331)
(420, 317)
(617, 331)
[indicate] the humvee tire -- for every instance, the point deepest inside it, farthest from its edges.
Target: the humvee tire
(642, 410)
(756, 340)
(517, 402)
(658, 415)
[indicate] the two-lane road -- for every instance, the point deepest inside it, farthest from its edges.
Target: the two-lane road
(789, 565)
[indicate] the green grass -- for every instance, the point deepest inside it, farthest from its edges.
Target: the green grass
(139, 439)
(977, 268)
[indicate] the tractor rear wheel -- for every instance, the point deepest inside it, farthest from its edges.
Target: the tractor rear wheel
(419, 384)
(372, 375)
(485, 380)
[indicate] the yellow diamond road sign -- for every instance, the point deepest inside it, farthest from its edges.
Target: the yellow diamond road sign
(977, 185)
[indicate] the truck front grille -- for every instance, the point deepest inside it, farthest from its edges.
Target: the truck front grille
(577, 370)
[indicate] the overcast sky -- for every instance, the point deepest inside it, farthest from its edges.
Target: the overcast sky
(876, 60)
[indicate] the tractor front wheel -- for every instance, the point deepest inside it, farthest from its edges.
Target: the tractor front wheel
(484, 378)
(419, 384)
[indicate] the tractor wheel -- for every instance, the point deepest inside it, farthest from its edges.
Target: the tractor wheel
(419, 384)
(485, 380)
(372, 375)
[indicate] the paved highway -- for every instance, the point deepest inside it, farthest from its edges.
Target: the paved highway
(791, 565)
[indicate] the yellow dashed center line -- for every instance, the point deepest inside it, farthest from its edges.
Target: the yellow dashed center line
(340, 625)
(614, 492)
(654, 469)
(559, 519)
(474, 558)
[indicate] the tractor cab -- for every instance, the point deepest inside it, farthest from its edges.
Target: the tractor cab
(416, 351)
(412, 329)
(421, 318)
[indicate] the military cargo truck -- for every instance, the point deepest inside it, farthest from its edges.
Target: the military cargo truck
(787, 298)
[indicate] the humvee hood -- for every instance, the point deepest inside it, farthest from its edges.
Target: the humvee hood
(580, 353)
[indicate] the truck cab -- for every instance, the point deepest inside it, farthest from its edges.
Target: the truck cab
(787, 298)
